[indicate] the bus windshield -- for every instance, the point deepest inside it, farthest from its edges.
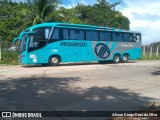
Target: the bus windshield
(23, 43)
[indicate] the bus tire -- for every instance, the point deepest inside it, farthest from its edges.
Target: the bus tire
(116, 58)
(54, 61)
(125, 58)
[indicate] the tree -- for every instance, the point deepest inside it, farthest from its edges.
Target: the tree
(11, 20)
(38, 11)
(66, 15)
(102, 14)
(15, 17)
(84, 12)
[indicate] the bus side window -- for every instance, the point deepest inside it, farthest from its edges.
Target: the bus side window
(76, 35)
(126, 37)
(133, 38)
(91, 35)
(55, 34)
(105, 36)
(117, 37)
(65, 34)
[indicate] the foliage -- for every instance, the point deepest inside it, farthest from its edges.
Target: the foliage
(10, 58)
(5, 44)
(65, 15)
(15, 17)
(155, 44)
(38, 11)
(11, 20)
(101, 14)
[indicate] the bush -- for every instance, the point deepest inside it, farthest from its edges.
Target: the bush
(10, 58)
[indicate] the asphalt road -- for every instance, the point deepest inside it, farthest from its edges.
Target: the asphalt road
(80, 87)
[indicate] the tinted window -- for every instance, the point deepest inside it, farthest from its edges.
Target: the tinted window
(77, 34)
(117, 37)
(43, 32)
(126, 37)
(55, 34)
(105, 36)
(65, 34)
(91, 35)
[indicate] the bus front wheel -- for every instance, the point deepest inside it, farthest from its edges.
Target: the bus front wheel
(54, 60)
(116, 58)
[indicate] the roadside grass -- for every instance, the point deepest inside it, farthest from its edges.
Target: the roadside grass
(9, 58)
(153, 57)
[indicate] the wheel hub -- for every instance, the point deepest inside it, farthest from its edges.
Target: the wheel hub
(125, 58)
(54, 60)
(116, 58)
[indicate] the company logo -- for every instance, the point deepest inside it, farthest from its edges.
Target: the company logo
(6, 114)
(102, 51)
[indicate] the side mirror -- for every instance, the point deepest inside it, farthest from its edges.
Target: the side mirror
(29, 33)
(15, 40)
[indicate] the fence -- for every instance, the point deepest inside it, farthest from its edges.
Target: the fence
(151, 51)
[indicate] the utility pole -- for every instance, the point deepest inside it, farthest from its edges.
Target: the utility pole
(151, 51)
(144, 50)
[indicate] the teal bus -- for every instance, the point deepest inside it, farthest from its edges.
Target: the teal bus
(54, 43)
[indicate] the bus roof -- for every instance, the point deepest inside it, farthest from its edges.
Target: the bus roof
(79, 26)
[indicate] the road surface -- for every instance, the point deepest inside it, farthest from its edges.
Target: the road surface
(80, 87)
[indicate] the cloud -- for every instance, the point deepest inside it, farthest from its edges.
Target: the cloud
(72, 3)
(144, 16)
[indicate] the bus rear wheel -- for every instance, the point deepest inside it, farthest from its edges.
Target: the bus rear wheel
(125, 58)
(116, 58)
(54, 61)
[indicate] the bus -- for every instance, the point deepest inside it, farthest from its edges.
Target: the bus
(55, 43)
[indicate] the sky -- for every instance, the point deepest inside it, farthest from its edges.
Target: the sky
(144, 15)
